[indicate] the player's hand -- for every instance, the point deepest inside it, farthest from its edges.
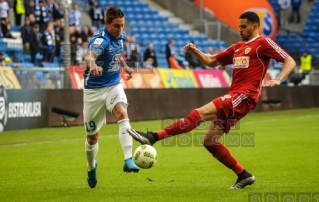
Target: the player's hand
(272, 83)
(190, 47)
(96, 70)
(128, 72)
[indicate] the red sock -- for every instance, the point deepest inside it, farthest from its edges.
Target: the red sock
(183, 125)
(222, 154)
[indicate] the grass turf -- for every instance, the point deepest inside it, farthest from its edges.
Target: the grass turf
(49, 164)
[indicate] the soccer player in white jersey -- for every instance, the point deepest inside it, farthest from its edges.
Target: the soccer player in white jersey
(103, 90)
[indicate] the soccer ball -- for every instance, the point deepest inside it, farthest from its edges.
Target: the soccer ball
(145, 156)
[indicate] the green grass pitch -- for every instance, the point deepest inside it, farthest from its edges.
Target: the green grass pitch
(50, 164)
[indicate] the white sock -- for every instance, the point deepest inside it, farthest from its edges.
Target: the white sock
(125, 139)
(91, 152)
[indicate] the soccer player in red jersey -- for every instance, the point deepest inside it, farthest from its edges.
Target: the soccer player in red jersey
(250, 58)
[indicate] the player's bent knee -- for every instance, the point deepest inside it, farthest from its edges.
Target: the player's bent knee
(92, 139)
(120, 111)
(209, 140)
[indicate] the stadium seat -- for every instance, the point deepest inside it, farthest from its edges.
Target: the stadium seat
(148, 26)
(54, 65)
(15, 28)
(25, 64)
(309, 37)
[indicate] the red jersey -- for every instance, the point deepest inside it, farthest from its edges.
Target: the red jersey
(251, 61)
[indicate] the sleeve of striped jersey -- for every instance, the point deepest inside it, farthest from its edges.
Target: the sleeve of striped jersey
(98, 44)
(226, 57)
(272, 50)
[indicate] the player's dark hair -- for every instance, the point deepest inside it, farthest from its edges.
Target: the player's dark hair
(251, 17)
(112, 13)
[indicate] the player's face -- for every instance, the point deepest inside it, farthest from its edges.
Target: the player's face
(115, 28)
(246, 29)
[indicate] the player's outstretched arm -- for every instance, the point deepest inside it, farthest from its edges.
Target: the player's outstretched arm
(289, 65)
(208, 60)
(127, 69)
(89, 59)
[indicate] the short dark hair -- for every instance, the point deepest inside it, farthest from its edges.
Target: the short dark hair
(112, 13)
(250, 16)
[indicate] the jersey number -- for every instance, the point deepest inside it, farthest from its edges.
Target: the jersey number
(90, 126)
(115, 63)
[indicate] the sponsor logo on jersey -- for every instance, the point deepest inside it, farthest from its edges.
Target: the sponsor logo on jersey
(97, 42)
(113, 99)
(247, 50)
(225, 97)
(241, 62)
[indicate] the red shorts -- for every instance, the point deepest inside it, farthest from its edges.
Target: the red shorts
(231, 108)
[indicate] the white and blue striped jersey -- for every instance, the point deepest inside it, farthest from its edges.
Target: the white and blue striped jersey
(110, 51)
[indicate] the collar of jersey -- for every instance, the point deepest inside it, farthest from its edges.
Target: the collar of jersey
(253, 39)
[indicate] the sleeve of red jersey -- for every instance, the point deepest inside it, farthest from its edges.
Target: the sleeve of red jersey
(226, 57)
(272, 50)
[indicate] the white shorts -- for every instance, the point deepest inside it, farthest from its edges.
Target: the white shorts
(96, 102)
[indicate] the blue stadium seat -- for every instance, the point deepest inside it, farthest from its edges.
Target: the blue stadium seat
(173, 25)
(15, 28)
(163, 19)
(153, 12)
(161, 36)
(167, 30)
(111, 3)
(128, 10)
(26, 58)
(126, 4)
(180, 43)
(183, 31)
(136, 7)
(170, 36)
(25, 64)
(139, 16)
(159, 30)
(161, 56)
(146, 25)
(143, 5)
(135, 4)
(309, 37)
(152, 36)
(138, 39)
(130, 16)
(133, 22)
(51, 65)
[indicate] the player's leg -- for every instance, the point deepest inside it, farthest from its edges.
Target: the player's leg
(222, 154)
(117, 104)
(91, 150)
(218, 150)
(231, 110)
(94, 118)
(184, 125)
(190, 122)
